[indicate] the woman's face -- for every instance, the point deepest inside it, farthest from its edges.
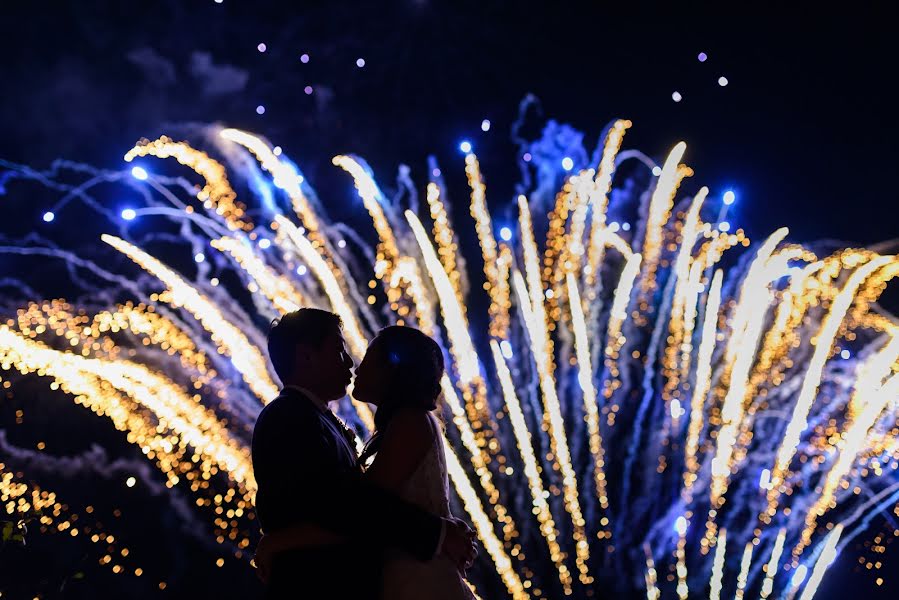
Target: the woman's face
(372, 376)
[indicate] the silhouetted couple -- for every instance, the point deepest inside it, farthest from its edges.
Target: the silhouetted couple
(340, 525)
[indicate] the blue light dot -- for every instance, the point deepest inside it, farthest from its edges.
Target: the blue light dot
(729, 197)
(139, 173)
(722, 81)
(506, 348)
(703, 57)
(724, 226)
(527, 157)
(304, 58)
(360, 62)
(199, 257)
(657, 170)
(465, 147)
(505, 233)
(49, 216)
(260, 110)
(308, 90)
(567, 163)
(261, 47)
(128, 214)
(485, 125)
(265, 243)
(301, 270)
(845, 354)
(626, 226)
(614, 226)
(676, 96)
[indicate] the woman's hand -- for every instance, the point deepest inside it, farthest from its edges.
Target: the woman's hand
(265, 554)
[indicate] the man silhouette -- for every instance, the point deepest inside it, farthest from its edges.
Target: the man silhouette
(306, 469)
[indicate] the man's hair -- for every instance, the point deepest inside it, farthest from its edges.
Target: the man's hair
(306, 326)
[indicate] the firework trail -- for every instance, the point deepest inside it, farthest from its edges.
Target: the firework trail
(657, 406)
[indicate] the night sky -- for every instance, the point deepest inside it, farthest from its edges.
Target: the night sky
(803, 132)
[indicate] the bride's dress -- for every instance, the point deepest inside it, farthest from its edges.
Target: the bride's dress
(406, 578)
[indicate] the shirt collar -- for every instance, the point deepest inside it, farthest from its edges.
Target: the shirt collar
(318, 402)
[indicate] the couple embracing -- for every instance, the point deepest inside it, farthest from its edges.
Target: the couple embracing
(339, 524)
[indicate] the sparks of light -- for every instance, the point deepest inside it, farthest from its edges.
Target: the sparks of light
(558, 439)
(743, 577)
(585, 379)
(483, 525)
(246, 357)
(659, 210)
(651, 577)
(703, 378)
(773, 563)
(216, 194)
(713, 363)
(531, 468)
(825, 559)
(718, 565)
(799, 419)
(277, 288)
(454, 320)
(796, 581)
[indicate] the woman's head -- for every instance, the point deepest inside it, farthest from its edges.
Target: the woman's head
(402, 368)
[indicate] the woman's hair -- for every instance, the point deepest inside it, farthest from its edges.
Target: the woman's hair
(413, 363)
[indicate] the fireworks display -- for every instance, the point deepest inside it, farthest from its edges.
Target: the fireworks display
(655, 404)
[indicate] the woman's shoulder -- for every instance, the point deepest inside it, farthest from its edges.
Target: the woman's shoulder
(413, 424)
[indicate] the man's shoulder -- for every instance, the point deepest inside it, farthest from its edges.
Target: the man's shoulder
(290, 406)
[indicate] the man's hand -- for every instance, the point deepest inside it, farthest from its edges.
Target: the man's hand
(459, 544)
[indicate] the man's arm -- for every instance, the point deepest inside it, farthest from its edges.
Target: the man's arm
(311, 486)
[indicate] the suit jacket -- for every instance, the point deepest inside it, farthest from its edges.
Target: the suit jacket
(307, 471)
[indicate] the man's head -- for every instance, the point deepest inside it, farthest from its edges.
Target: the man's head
(307, 349)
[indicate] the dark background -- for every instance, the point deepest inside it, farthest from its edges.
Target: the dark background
(804, 132)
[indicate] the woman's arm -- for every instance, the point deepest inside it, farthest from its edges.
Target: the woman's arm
(406, 441)
(301, 535)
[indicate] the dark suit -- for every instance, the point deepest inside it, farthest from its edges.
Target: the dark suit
(307, 472)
